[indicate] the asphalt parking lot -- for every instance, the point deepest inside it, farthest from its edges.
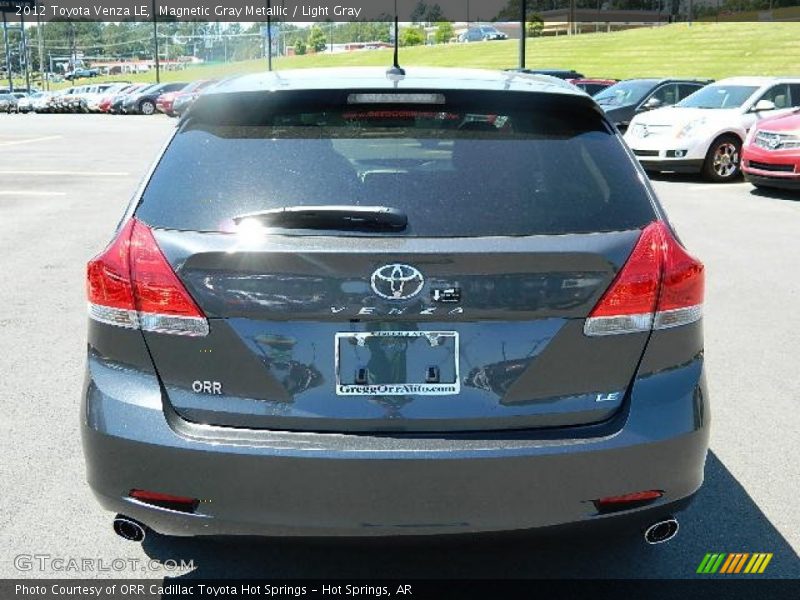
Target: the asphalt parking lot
(64, 181)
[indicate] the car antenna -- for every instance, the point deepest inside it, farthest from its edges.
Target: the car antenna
(396, 70)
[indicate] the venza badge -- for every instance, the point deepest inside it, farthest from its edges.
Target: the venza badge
(397, 281)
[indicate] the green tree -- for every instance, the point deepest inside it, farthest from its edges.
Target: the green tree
(444, 32)
(300, 48)
(426, 13)
(412, 36)
(534, 27)
(317, 40)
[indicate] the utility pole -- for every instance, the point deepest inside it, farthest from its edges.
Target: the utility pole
(40, 34)
(269, 36)
(74, 58)
(24, 53)
(523, 17)
(8, 54)
(155, 40)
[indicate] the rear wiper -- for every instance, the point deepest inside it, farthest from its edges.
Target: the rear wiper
(344, 217)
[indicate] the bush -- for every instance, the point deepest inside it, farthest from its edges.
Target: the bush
(412, 36)
(317, 40)
(444, 32)
(534, 27)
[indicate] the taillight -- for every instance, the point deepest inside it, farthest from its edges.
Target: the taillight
(132, 285)
(660, 286)
(179, 503)
(627, 501)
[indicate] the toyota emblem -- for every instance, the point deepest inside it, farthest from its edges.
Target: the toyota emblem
(397, 281)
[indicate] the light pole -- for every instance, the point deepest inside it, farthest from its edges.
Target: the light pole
(269, 36)
(155, 39)
(40, 36)
(24, 53)
(8, 53)
(523, 33)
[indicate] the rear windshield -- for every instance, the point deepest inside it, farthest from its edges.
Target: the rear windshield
(453, 171)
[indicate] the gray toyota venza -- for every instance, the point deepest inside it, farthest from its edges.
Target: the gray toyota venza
(351, 302)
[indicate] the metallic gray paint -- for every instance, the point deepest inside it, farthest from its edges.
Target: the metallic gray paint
(286, 483)
(275, 307)
(279, 482)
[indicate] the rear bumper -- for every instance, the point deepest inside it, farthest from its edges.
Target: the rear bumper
(282, 483)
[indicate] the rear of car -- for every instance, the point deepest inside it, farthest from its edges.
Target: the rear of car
(347, 305)
(771, 153)
(566, 74)
(592, 86)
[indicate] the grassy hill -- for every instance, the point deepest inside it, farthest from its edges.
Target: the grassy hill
(713, 50)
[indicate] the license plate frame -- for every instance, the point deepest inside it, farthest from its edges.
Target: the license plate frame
(396, 389)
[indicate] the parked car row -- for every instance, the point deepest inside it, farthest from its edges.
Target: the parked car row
(740, 125)
(724, 125)
(115, 98)
(9, 101)
(737, 126)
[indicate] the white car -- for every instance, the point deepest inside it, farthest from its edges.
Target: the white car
(95, 93)
(704, 132)
(40, 101)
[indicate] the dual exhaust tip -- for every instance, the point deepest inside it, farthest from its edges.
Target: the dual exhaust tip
(657, 533)
(661, 531)
(129, 529)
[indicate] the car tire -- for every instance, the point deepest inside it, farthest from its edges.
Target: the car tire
(147, 107)
(723, 160)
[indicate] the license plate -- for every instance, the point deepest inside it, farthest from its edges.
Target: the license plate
(397, 363)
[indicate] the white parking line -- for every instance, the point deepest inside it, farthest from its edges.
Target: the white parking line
(27, 193)
(31, 140)
(70, 173)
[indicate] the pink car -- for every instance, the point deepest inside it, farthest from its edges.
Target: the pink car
(771, 153)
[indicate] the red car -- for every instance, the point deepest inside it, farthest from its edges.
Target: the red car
(108, 100)
(593, 86)
(771, 153)
(166, 102)
(187, 96)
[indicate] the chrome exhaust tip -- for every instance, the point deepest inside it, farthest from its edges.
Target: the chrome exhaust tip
(129, 529)
(661, 531)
